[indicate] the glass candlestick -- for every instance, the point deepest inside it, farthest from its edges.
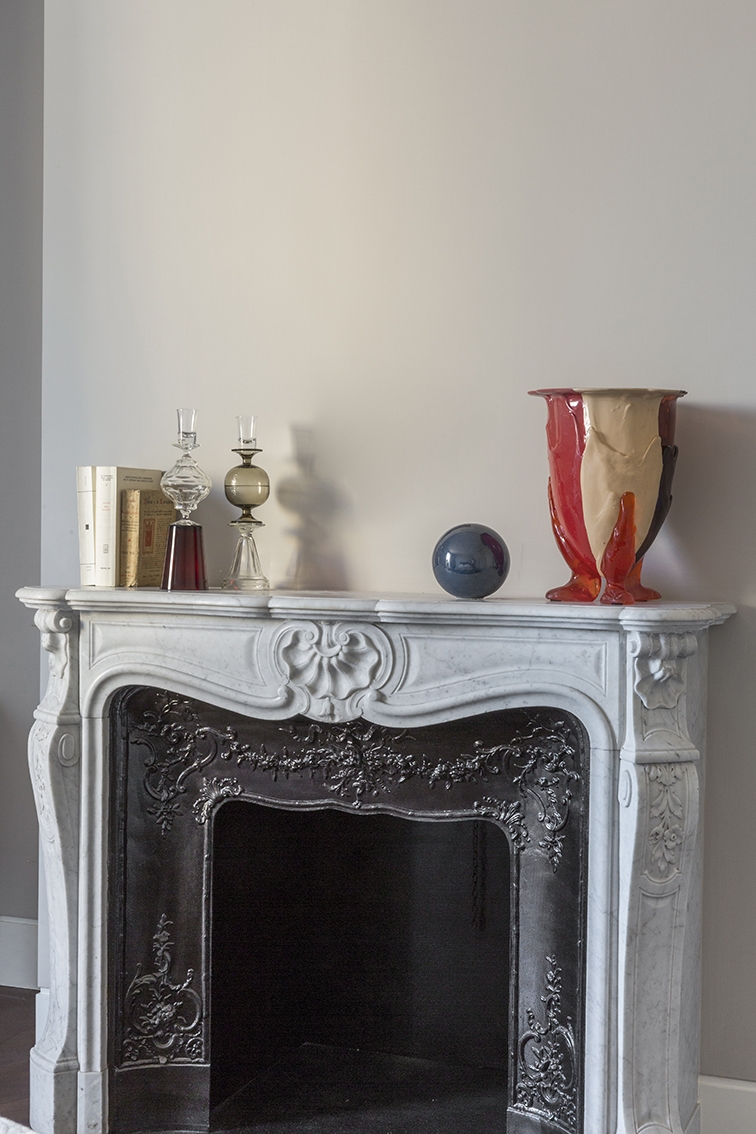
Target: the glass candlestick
(186, 485)
(246, 487)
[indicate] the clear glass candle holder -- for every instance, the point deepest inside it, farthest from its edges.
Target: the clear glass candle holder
(186, 485)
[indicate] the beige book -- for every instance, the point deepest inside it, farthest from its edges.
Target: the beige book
(145, 517)
(110, 481)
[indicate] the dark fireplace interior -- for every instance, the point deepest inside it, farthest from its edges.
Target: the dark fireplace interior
(360, 971)
(345, 928)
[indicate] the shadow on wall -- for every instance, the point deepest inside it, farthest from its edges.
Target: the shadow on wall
(709, 552)
(318, 507)
(315, 510)
(707, 548)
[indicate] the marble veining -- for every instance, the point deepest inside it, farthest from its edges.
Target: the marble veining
(635, 678)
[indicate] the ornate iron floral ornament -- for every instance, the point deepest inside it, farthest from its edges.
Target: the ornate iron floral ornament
(547, 1060)
(509, 815)
(178, 746)
(211, 793)
(162, 1018)
(357, 760)
(541, 762)
(360, 758)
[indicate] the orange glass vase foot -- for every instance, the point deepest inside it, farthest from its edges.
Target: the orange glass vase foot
(619, 557)
(581, 588)
(636, 587)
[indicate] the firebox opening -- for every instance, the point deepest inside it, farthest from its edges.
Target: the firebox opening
(360, 968)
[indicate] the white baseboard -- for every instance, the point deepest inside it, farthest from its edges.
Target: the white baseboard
(18, 952)
(728, 1106)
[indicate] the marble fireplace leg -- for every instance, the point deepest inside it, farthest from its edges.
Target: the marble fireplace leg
(92, 966)
(54, 748)
(659, 867)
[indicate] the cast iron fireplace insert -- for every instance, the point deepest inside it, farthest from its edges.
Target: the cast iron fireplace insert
(346, 928)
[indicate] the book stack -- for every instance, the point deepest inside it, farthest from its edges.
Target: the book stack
(123, 526)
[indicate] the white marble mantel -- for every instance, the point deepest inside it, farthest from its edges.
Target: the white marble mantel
(635, 677)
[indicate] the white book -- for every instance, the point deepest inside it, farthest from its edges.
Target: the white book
(110, 481)
(85, 478)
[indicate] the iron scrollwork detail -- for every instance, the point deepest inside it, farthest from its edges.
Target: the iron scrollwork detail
(162, 1018)
(355, 759)
(541, 762)
(547, 1060)
(509, 815)
(358, 759)
(178, 745)
(211, 793)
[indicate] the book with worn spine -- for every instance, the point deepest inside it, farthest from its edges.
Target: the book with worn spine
(145, 517)
(85, 478)
(110, 481)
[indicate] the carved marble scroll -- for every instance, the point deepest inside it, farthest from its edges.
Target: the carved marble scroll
(657, 726)
(54, 747)
(658, 665)
(330, 670)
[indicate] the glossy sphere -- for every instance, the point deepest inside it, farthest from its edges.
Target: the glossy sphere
(470, 561)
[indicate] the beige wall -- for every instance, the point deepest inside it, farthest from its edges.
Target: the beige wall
(389, 219)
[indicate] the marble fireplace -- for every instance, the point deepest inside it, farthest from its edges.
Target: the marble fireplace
(453, 847)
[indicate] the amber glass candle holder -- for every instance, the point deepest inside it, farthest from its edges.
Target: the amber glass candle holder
(247, 486)
(186, 485)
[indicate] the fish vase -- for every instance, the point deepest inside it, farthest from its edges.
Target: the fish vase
(611, 461)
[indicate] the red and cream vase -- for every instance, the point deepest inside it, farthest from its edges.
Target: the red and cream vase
(611, 461)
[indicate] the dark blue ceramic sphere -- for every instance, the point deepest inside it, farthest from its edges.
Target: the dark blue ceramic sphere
(471, 561)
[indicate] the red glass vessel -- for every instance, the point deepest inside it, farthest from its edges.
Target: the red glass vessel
(184, 566)
(611, 462)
